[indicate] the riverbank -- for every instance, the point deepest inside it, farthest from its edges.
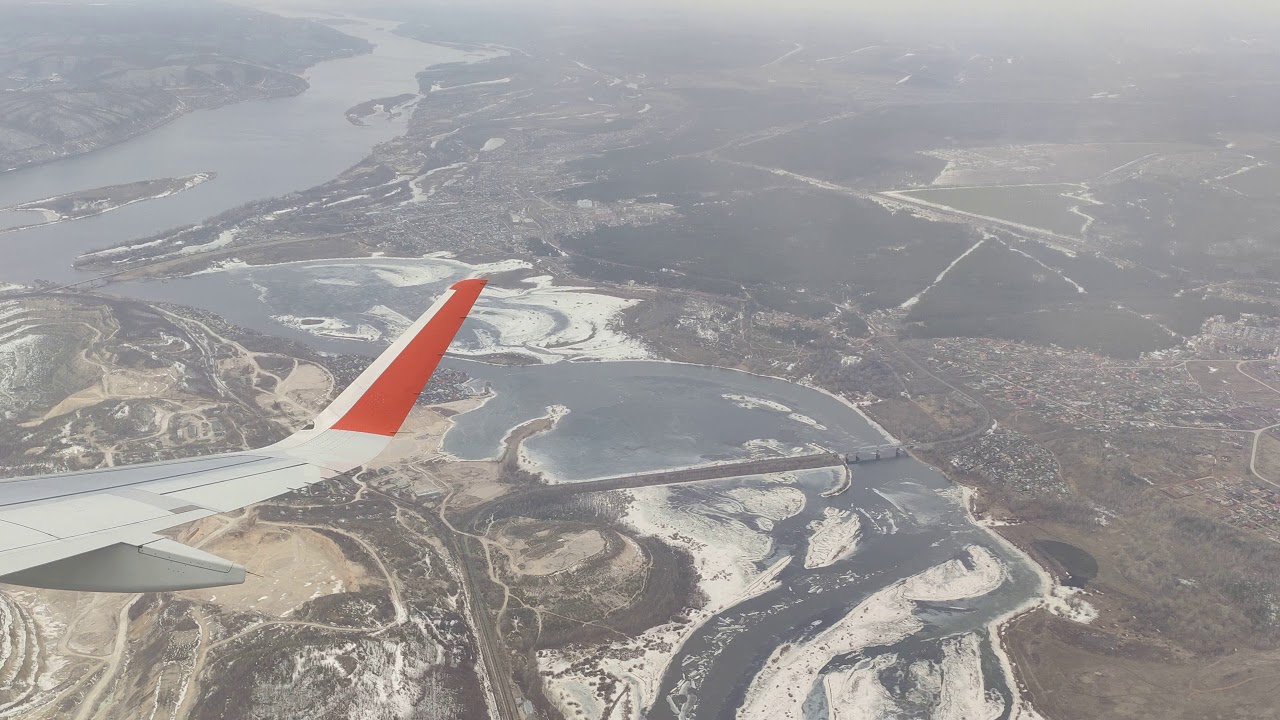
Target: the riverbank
(82, 204)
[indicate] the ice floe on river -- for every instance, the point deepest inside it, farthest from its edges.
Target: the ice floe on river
(887, 616)
(752, 403)
(726, 552)
(549, 323)
(834, 538)
(374, 299)
(329, 327)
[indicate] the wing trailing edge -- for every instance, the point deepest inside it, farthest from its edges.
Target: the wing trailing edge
(96, 530)
(363, 419)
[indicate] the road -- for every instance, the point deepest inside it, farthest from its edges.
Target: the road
(493, 654)
(1257, 434)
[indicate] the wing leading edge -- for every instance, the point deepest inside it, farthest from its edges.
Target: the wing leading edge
(96, 530)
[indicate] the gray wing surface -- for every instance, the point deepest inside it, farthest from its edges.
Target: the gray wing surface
(97, 530)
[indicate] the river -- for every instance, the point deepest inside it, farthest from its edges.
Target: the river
(642, 416)
(622, 417)
(259, 149)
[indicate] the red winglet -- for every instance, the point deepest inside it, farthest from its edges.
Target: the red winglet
(383, 407)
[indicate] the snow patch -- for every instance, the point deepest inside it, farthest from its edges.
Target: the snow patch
(833, 538)
(1065, 602)
(779, 691)
(806, 420)
(856, 693)
(329, 327)
(225, 238)
(754, 403)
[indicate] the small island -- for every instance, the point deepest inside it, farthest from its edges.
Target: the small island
(390, 107)
(87, 203)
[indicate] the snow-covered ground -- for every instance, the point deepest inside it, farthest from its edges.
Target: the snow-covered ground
(549, 323)
(806, 420)
(371, 677)
(225, 238)
(963, 695)
(779, 691)
(1066, 602)
(954, 688)
(956, 580)
(345, 200)
(638, 664)
(774, 503)
(856, 693)
(400, 276)
(85, 208)
(834, 537)
(752, 403)
(329, 327)
(725, 550)
(126, 248)
(726, 554)
(20, 352)
(536, 319)
(1021, 709)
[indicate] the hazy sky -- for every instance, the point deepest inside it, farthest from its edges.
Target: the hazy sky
(1140, 22)
(1023, 9)
(1040, 13)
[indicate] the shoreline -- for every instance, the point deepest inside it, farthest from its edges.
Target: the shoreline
(996, 627)
(1020, 702)
(53, 217)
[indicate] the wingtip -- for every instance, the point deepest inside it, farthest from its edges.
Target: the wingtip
(476, 284)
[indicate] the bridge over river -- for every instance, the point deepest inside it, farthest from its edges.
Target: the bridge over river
(702, 473)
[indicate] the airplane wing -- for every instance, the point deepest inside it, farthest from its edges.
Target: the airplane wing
(96, 530)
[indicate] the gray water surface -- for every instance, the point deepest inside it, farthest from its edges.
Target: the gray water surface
(640, 416)
(259, 149)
